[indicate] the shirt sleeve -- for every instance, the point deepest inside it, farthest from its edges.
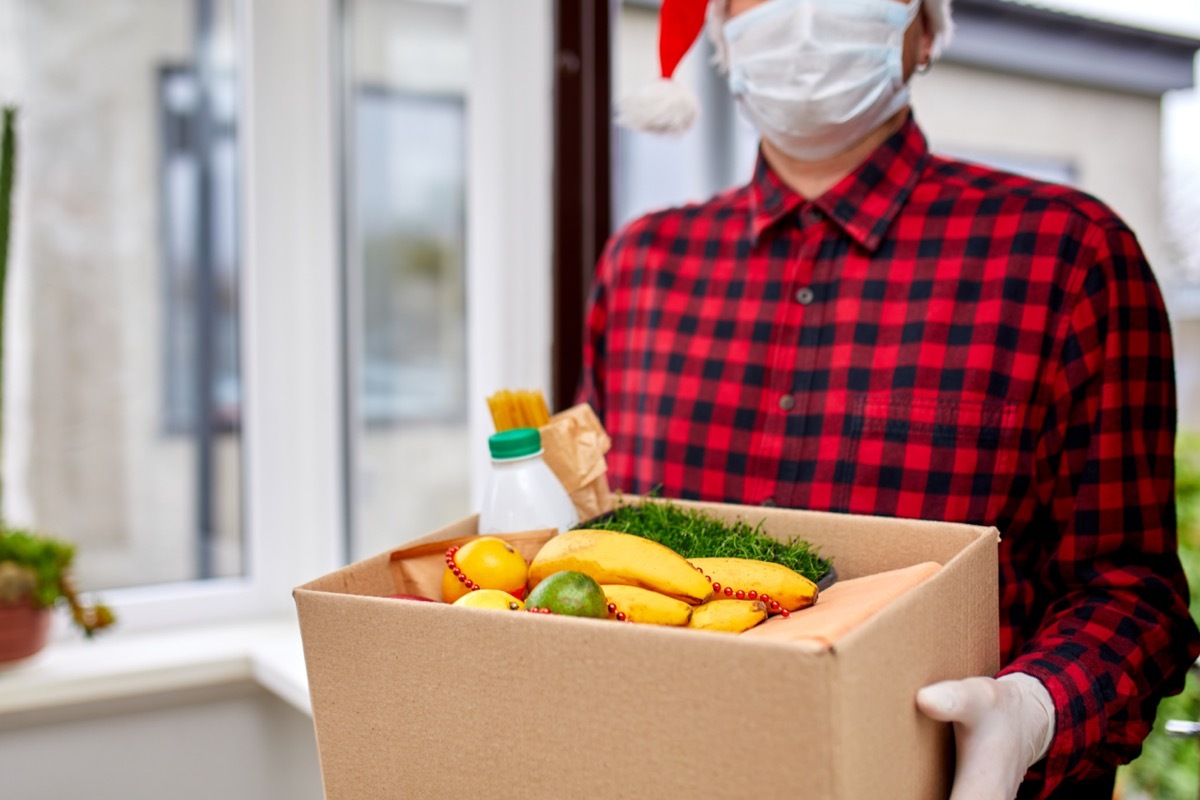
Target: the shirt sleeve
(1115, 635)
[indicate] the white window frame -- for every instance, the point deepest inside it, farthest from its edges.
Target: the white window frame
(293, 355)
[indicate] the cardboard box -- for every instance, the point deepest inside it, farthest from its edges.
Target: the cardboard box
(423, 700)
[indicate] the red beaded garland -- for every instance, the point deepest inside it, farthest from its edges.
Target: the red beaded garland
(753, 595)
(728, 592)
(716, 588)
(457, 571)
(620, 616)
(741, 595)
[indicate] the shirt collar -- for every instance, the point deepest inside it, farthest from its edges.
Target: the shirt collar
(863, 204)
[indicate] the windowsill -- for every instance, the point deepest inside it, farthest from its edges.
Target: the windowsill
(114, 667)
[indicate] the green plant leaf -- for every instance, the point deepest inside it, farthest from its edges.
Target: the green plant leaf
(695, 534)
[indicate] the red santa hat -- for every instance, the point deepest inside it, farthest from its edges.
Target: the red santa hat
(667, 106)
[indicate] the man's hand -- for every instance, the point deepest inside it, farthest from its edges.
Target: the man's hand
(1001, 728)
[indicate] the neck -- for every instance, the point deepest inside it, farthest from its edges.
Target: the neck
(811, 179)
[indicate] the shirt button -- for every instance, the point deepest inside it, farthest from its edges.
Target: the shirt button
(812, 216)
(787, 402)
(805, 295)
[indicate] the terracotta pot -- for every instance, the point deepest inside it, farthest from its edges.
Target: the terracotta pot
(23, 630)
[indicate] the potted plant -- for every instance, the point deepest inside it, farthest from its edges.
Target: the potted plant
(33, 568)
(34, 578)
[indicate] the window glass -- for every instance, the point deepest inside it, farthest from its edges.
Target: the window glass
(123, 388)
(405, 159)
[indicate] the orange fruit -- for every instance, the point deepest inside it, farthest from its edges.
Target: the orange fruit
(485, 563)
(490, 598)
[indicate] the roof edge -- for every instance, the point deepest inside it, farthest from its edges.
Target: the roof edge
(1032, 11)
(1042, 43)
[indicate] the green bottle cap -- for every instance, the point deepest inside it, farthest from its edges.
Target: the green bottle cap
(517, 443)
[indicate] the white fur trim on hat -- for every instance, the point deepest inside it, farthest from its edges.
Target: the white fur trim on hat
(665, 106)
(941, 24)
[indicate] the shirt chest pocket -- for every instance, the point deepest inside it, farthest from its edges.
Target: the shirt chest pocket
(928, 457)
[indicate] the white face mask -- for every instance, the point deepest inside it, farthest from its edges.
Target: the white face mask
(817, 76)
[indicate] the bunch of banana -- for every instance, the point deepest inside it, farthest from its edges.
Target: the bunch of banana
(728, 616)
(634, 604)
(612, 558)
(744, 578)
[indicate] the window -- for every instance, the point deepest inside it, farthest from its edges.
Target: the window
(410, 161)
(122, 430)
(199, 252)
(405, 92)
(283, 265)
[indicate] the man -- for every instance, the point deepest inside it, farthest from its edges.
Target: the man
(869, 328)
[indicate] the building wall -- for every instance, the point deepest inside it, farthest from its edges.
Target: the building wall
(229, 743)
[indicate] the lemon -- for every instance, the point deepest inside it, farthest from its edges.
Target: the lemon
(487, 563)
(490, 598)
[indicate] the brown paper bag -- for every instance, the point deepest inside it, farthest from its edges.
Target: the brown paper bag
(575, 445)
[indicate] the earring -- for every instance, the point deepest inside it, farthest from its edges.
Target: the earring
(924, 66)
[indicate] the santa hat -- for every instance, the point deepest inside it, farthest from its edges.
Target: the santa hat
(667, 106)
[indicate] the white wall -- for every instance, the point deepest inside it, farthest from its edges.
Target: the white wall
(232, 743)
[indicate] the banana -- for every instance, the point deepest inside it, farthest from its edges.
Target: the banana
(643, 605)
(729, 616)
(792, 590)
(621, 558)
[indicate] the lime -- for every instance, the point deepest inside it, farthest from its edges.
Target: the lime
(570, 593)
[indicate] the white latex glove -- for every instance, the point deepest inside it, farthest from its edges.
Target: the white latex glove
(1002, 727)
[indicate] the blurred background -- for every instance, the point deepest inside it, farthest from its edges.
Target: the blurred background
(268, 258)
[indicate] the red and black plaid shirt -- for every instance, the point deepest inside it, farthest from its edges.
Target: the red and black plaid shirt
(936, 340)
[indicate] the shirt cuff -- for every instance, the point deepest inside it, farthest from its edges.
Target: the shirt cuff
(1080, 719)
